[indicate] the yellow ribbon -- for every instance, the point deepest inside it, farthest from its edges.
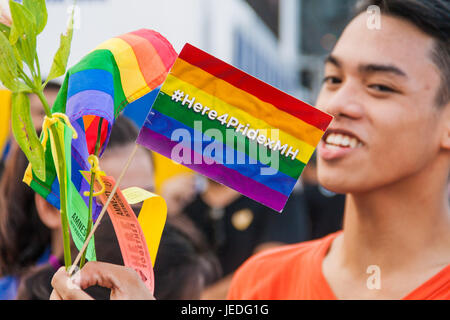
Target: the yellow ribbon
(48, 122)
(152, 216)
(95, 169)
(92, 159)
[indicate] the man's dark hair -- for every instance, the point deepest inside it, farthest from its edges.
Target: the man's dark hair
(123, 132)
(433, 18)
(52, 85)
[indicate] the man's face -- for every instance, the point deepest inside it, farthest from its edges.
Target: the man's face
(139, 174)
(380, 85)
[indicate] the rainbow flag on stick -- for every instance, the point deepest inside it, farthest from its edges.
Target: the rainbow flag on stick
(233, 128)
(118, 72)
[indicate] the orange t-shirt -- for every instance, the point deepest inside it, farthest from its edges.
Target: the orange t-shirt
(294, 272)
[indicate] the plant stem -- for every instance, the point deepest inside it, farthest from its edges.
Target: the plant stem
(91, 191)
(62, 180)
(27, 80)
(62, 193)
(39, 71)
(40, 93)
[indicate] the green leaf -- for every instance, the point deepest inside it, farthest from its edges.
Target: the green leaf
(25, 133)
(9, 74)
(5, 30)
(8, 65)
(25, 50)
(39, 11)
(23, 21)
(23, 30)
(18, 57)
(59, 64)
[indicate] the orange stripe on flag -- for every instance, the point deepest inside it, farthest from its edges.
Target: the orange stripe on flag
(150, 63)
(87, 120)
(246, 102)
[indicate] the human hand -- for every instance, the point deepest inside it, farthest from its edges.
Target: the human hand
(124, 282)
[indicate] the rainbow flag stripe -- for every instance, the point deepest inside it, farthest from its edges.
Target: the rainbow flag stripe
(220, 89)
(118, 72)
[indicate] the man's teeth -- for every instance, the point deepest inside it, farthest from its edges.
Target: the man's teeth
(335, 140)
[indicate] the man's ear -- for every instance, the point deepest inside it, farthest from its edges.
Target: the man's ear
(48, 214)
(445, 139)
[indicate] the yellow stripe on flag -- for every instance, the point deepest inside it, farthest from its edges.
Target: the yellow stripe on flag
(247, 102)
(172, 84)
(133, 82)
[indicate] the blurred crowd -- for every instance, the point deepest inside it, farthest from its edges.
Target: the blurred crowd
(211, 229)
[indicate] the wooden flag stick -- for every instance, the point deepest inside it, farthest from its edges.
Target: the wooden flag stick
(102, 213)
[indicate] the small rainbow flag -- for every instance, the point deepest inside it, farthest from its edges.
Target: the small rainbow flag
(118, 72)
(233, 128)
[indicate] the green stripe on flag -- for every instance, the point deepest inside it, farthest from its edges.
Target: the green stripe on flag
(104, 60)
(166, 106)
(98, 59)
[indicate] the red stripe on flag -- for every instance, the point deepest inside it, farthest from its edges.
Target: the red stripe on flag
(91, 134)
(104, 133)
(162, 46)
(258, 88)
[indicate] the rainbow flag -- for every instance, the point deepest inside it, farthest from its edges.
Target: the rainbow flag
(233, 128)
(118, 72)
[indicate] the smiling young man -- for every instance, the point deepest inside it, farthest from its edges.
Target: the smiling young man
(388, 149)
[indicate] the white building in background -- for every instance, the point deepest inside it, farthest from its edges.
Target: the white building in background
(228, 29)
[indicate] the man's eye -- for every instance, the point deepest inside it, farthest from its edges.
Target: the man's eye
(331, 80)
(381, 88)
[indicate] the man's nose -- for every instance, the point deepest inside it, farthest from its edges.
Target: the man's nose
(345, 102)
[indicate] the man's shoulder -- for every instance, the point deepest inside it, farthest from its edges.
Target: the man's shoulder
(285, 255)
(272, 267)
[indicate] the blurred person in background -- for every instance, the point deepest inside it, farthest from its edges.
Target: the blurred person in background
(388, 149)
(236, 227)
(173, 181)
(178, 191)
(26, 238)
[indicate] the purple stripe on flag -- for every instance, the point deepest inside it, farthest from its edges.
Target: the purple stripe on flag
(90, 102)
(231, 178)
